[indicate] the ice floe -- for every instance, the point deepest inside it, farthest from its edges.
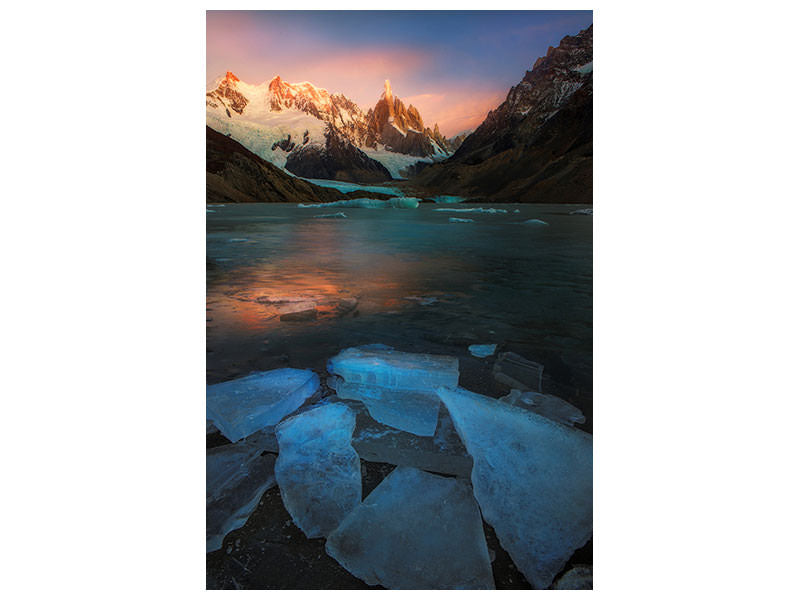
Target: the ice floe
(237, 475)
(532, 478)
(457, 220)
(490, 211)
(318, 471)
(397, 388)
(415, 531)
(547, 405)
(482, 350)
(535, 222)
(245, 405)
(582, 211)
(339, 215)
(235, 240)
(518, 372)
(448, 199)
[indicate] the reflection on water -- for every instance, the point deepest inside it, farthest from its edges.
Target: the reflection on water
(294, 290)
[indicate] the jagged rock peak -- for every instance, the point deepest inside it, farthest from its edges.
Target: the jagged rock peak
(387, 90)
(230, 77)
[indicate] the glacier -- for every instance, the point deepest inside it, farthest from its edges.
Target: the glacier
(318, 471)
(367, 203)
(532, 478)
(243, 406)
(345, 187)
(237, 475)
(415, 531)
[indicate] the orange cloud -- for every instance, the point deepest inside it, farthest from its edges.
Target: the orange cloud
(456, 110)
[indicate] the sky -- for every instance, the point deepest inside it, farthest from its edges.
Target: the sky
(453, 66)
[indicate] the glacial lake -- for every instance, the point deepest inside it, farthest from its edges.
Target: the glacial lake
(287, 289)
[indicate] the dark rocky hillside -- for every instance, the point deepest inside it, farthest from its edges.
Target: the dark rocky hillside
(537, 145)
(234, 174)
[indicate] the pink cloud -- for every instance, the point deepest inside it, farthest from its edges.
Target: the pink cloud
(456, 110)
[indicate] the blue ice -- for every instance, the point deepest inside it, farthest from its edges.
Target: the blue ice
(415, 531)
(482, 350)
(318, 471)
(532, 478)
(243, 406)
(237, 475)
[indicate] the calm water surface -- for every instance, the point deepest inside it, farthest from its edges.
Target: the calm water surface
(407, 278)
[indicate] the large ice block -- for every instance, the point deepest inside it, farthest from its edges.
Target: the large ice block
(393, 369)
(318, 471)
(518, 372)
(415, 531)
(415, 411)
(532, 478)
(547, 405)
(237, 475)
(243, 406)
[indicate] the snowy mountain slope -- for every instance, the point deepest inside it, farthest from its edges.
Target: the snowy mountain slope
(276, 119)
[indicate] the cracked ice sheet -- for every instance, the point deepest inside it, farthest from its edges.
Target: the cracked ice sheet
(318, 471)
(237, 475)
(245, 405)
(532, 478)
(415, 531)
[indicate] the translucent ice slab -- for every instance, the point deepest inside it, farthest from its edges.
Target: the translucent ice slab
(482, 350)
(243, 406)
(415, 411)
(318, 471)
(415, 531)
(518, 372)
(393, 369)
(547, 405)
(532, 478)
(237, 475)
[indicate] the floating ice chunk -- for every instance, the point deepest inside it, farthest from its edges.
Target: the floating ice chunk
(415, 531)
(516, 210)
(243, 406)
(397, 370)
(414, 411)
(208, 210)
(234, 240)
(547, 405)
(482, 350)
(318, 471)
(339, 215)
(532, 478)
(403, 202)
(448, 199)
(299, 311)
(518, 372)
(582, 211)
(367, 203)
(578, 577)
(237, 475)
(423, 301)
(491, 211)
(534, 222)
(457, 220)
